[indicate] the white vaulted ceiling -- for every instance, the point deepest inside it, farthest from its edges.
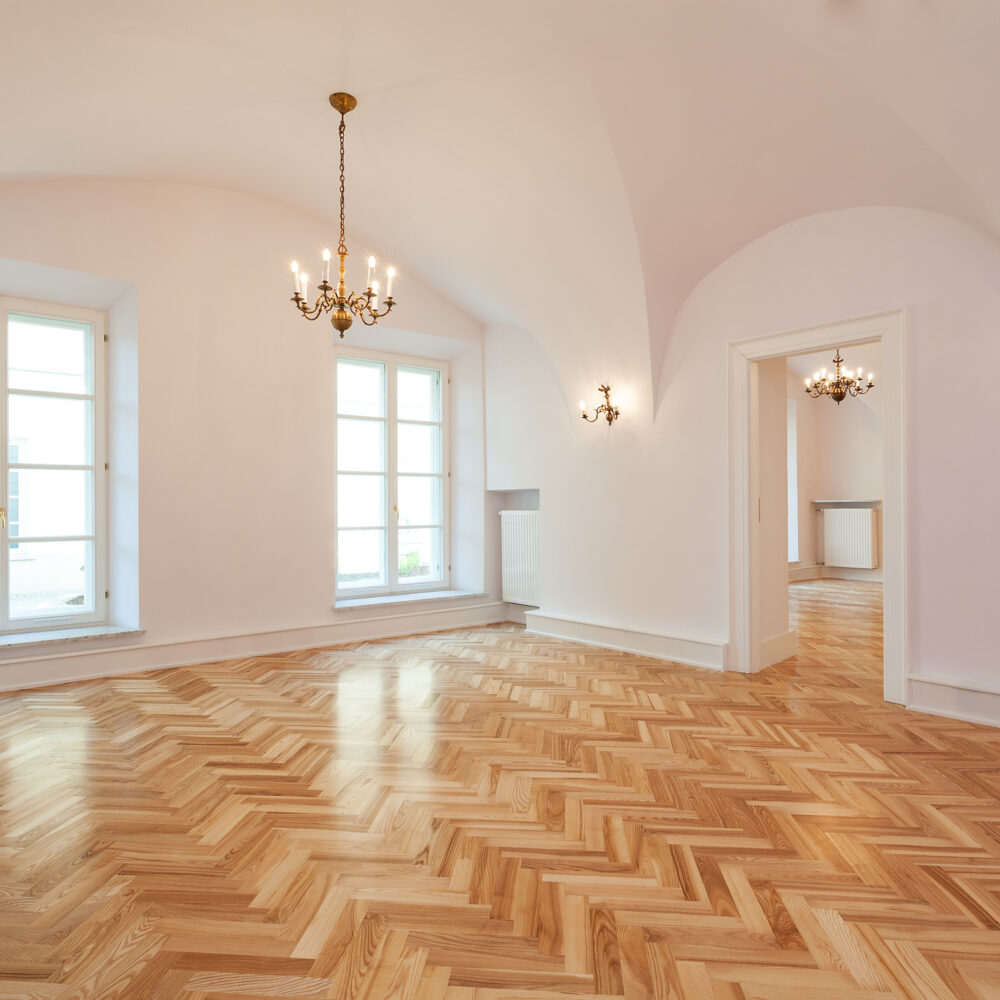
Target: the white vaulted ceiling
(570, 165)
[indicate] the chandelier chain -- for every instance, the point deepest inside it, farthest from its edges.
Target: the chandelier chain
(342, 248)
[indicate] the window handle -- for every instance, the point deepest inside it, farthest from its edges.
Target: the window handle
(3, 518)
(395, 507)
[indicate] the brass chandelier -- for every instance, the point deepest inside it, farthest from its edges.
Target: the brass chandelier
(342, 305)
(841, 384)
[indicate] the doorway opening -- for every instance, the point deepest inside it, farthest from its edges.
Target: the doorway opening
(818, 499)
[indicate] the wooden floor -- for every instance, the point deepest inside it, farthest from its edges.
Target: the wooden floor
(486, 815)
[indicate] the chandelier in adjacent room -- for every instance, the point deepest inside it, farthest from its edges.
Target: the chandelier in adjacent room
(341, 304)
(842, 383)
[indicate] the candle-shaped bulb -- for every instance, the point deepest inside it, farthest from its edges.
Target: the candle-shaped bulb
(371, 271)
(305, 285)
(583, 406)
(295, 276)
(326, 265)
(822, 371)
(871, 378)
(808, 382)
(374, 300)
(390, 275)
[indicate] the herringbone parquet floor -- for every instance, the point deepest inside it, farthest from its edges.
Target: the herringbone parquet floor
(488, 815)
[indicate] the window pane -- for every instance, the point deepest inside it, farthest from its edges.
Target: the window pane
(420, 555)
(49, 579)
(360, 501)
(360, 445)
(360, 559)
(418, 394)
(47, 430)
(51, 354)
(360, 388)
(53, 501)
(419, 500)
(419, 448)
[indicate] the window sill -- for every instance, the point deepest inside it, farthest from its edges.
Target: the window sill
(21, 640)
(381, 600)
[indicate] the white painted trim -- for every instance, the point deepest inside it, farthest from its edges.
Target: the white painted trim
(694, 652)
(888, 328)
(954, 700)
(847, 573)
(951, 682)
(813, 572)
(777, 648)
(111, 660)
(819, 572)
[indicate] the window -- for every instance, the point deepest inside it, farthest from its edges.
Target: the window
(392, 496)
(52, 507)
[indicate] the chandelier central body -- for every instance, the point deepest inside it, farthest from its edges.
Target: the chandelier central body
(342, 305)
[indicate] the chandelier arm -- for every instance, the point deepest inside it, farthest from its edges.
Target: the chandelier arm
(312, 312)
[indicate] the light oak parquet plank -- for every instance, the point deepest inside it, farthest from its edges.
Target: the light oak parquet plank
(490, 815)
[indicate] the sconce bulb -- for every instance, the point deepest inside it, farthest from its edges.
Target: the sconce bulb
(583, 406)
(295, 267)
(305, 282)
(326, 255)
(371, 261)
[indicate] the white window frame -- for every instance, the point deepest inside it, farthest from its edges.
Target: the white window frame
(393, 362)
(98, 322)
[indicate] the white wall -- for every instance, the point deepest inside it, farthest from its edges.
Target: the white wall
(646, 506)
(235, 413)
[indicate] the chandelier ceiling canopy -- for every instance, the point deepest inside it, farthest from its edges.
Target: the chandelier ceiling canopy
(842, 383)
(342, 305)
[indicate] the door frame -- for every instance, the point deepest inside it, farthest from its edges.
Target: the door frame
(889, 328)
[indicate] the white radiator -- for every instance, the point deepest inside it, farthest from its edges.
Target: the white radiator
(849, 537)
(519, 556)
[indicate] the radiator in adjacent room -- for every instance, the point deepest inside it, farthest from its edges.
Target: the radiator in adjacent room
(849, 537)
(519, 555)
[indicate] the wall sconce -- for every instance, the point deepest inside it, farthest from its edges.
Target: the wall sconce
(609, 407)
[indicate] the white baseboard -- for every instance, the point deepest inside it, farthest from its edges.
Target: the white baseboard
(517, 612)
(693, 652)
(954, 699)
(85, 664)
(777, 648)
(804, 573)
(799, 573)
(843, 573)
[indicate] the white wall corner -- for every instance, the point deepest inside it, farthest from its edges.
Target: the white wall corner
(775, 649)
(692, 652)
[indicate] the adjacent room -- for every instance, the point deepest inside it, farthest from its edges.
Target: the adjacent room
(495, 503)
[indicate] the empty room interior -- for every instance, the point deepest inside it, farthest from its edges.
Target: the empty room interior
(499, 503)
